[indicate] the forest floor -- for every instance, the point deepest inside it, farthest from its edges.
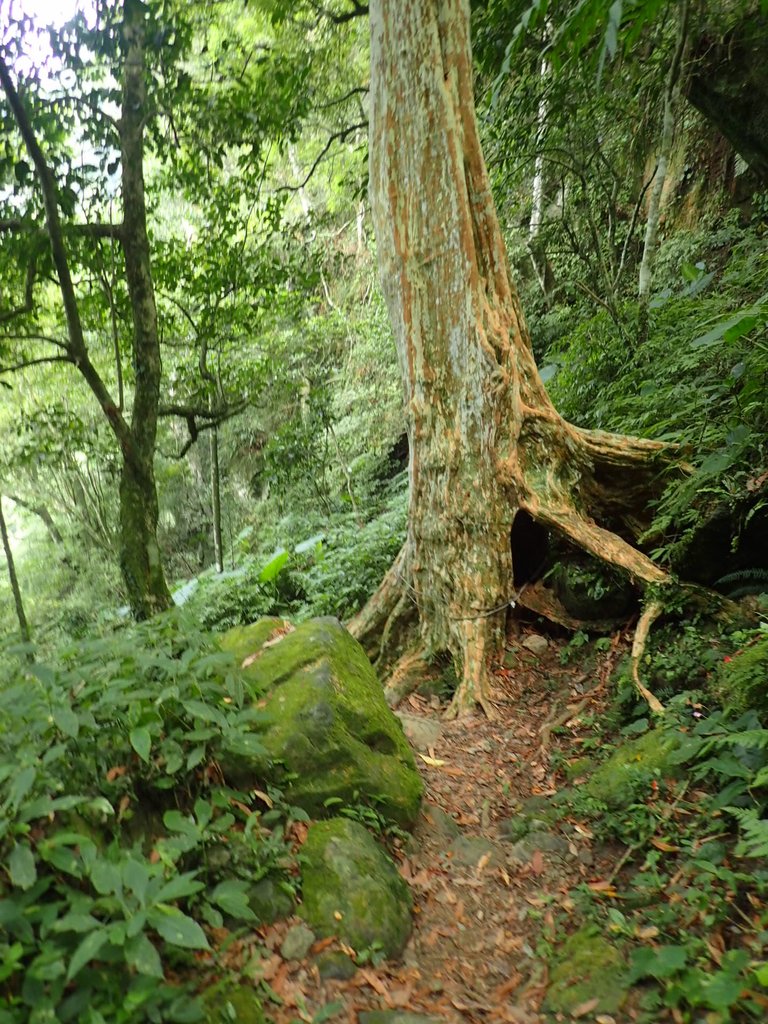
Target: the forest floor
(484, 903)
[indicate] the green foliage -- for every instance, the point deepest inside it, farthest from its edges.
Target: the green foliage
(120, 838)
(741, 678)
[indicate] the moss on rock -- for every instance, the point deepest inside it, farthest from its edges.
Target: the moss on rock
(633, 764)
(352, 890)
(589, 967)
(229, 1001)
(326, 729)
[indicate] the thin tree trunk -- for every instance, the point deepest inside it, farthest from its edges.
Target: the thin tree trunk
(139, 551)
(140, 555)
(213, 443)
(485, 441)
(16, 589)
(671, 103)
(42, 513)
(536, 251)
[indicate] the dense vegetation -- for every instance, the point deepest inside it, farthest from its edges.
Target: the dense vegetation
(280, 462)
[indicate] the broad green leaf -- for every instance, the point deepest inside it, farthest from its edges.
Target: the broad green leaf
(141, 742)
(21, 866)
(310, 544)
(232, 897)
(105, 878)
(66, 720)
(197, 709)
(21, 785)
(177, 928)
(274, 565)
(75, 923)
(179, 887)
(86, 951)
(136, 878)
(142, 955)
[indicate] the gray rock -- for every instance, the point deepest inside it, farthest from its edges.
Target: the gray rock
(535, 644)
(297, 942)
(522, 851)
(269, 900)
(547, 842)
(440, 822)
(422, 733)
(469, 850)
(333, 965)
(514, 829)
(351, 889)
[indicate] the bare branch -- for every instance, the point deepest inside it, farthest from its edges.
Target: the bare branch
(359, 90)
(26, 363)
(32, 336)
(357, 10)
(93, 230)
(340, 136)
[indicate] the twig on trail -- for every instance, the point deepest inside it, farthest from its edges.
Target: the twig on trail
(646, 620)
(554, 721)
(632, 850)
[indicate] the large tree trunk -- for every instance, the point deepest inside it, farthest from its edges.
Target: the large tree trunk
(485, 441)
(139, 551)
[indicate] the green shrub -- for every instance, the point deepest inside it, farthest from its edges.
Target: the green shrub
(119, 835)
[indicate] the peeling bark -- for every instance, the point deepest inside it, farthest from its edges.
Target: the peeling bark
(485, 440)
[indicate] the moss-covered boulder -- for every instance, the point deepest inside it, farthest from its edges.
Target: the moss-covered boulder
(589, 967)
(632, 766)
(327, 734)
(229, 1001)
(352, 889)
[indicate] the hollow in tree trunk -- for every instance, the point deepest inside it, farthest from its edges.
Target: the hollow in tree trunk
(486, 442)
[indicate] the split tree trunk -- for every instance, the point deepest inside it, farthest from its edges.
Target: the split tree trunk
(485, 440)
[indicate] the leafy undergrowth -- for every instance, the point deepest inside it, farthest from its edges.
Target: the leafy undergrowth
(686, 901)
(124, 852)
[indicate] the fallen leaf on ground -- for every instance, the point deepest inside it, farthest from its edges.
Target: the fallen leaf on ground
(584, 1008)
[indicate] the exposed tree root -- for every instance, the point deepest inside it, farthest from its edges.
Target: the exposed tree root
(646, 620)
(537, 598)
(377, 618)
(406, 676)
(474, 686)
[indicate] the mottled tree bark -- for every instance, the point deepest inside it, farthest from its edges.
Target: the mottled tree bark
(139, 551)
(485, 440)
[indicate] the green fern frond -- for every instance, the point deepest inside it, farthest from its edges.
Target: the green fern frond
(743, 582)
(754, 832)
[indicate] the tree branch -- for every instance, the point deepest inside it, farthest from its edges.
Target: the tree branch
(26, 363)
(29, 285)
(91, 230)
(340, 136)
(77, 346)
(357, 10)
